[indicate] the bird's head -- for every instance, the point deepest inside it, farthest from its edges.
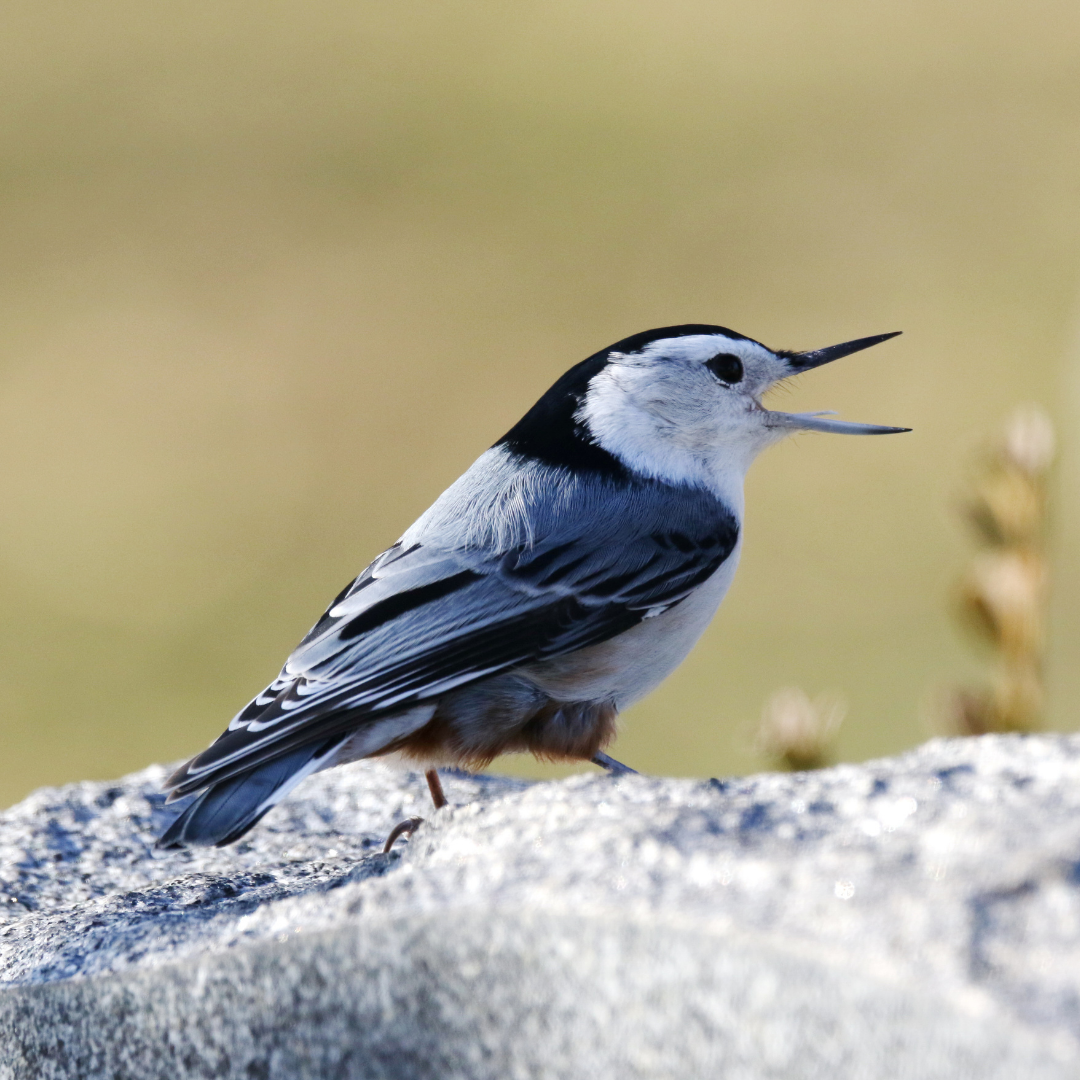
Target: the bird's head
(680, 402)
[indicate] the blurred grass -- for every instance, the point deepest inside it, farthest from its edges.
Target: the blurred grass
(272, 275)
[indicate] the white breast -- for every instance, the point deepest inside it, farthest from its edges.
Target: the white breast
(626, 668)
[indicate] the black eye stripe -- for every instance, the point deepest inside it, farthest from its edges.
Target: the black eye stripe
(726, 368)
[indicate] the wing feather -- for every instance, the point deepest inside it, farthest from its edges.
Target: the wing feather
(426, 617)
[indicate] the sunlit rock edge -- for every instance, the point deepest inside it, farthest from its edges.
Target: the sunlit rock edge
(916, 916)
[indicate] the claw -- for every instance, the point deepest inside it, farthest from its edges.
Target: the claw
(402, 828)
(616, 768)
(410, 825)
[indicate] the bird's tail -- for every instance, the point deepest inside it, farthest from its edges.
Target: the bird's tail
(226, 810)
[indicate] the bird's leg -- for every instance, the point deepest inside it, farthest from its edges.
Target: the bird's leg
(410, 825)
(616, 768)
(435, 787)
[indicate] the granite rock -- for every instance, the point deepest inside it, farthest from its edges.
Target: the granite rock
(915, 917)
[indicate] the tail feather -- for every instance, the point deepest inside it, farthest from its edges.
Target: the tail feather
(225, 811)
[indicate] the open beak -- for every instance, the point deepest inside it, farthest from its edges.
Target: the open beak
(804, 361)
(816, 421)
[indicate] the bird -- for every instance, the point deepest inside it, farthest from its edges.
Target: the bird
(559, 580)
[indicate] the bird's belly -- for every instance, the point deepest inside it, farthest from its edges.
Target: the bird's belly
(626, 668)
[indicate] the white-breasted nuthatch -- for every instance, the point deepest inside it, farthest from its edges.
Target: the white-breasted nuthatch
(559, 580)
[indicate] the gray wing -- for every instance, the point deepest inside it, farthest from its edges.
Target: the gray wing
(424, 618)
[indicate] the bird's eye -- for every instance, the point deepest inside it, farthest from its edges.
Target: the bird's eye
(726, 368)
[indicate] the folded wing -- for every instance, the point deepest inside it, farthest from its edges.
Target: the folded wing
(425, 617)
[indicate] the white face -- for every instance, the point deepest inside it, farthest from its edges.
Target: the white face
(687, 409)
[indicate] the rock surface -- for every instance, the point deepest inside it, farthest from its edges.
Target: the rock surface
(913, 917)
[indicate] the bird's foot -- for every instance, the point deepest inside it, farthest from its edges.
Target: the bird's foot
(616, 768)
(402, 828)
(410, 825)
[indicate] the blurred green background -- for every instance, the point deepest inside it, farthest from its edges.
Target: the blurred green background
(272, 274)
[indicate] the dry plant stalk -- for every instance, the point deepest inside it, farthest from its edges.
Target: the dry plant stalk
(1003, 596)
(797, 733)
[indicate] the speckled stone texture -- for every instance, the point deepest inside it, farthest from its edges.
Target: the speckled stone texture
(917, 917)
